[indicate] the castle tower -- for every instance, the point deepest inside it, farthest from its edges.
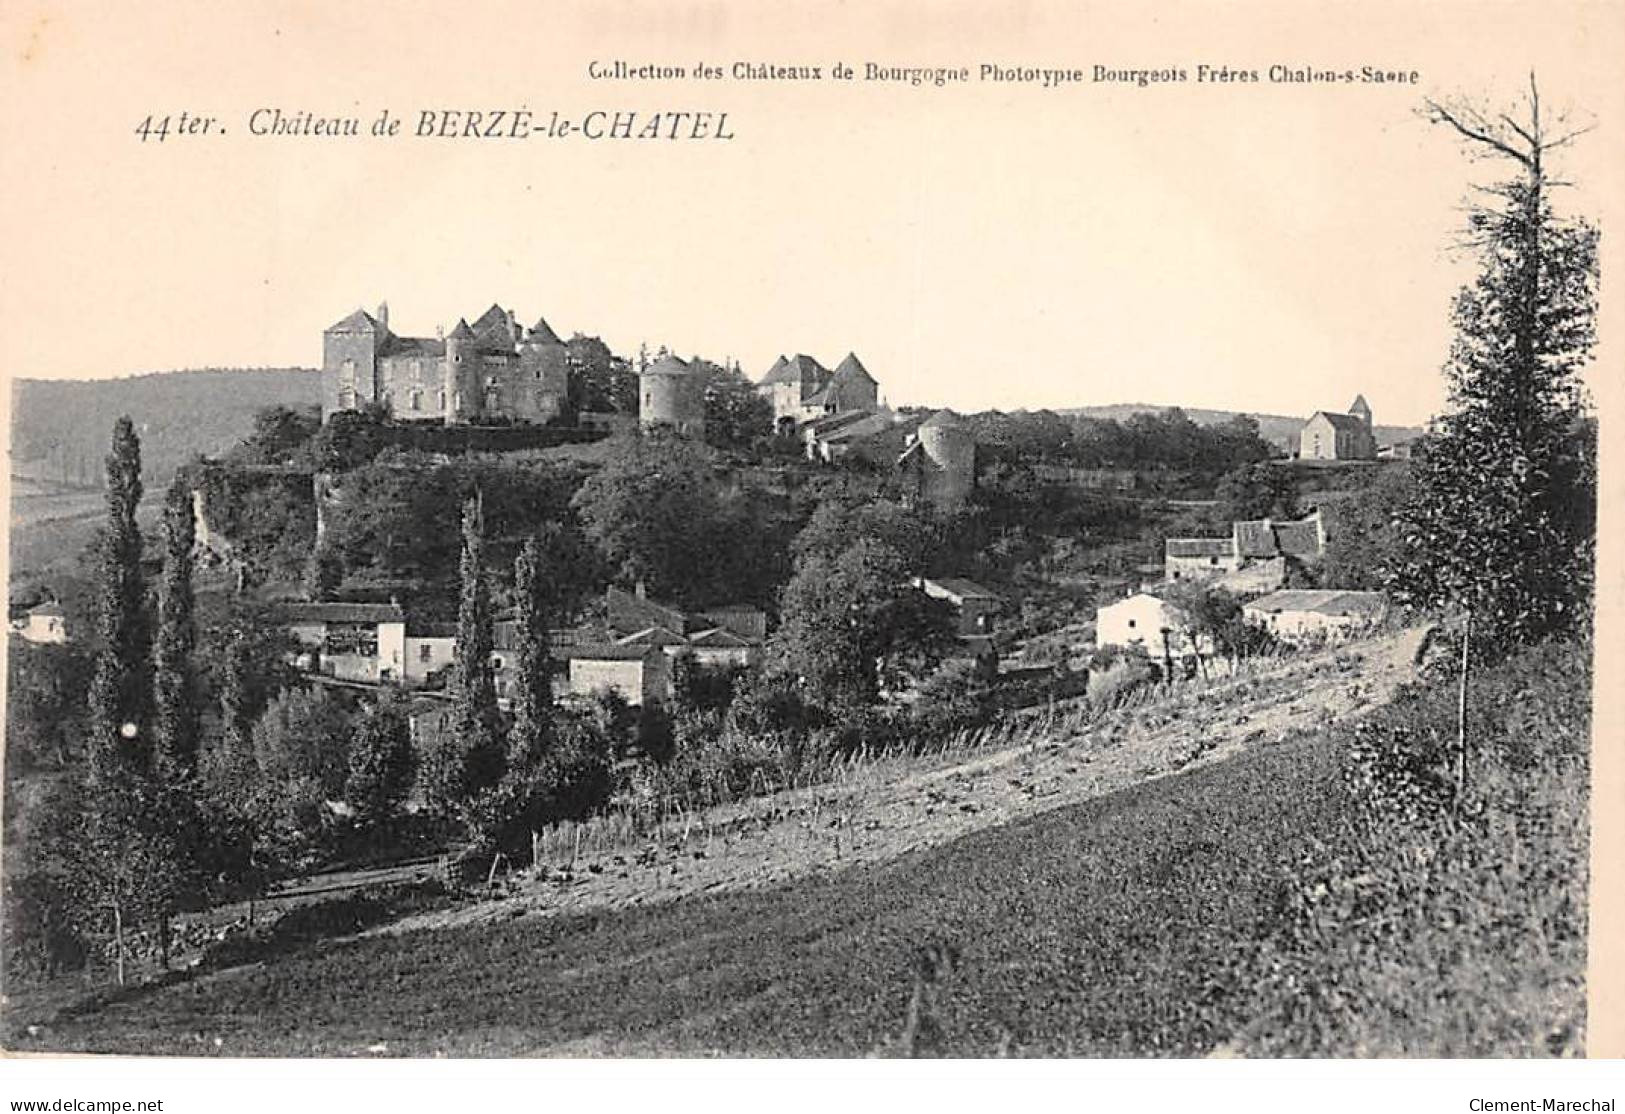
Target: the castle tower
(460, 375)
(1361, 409)
(350, 362)
(670, 394)
(942, 460)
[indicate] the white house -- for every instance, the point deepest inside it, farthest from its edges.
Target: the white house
(641, 674)
(1297, 614)
(1151, 623)
(430, 648)
(43, 623)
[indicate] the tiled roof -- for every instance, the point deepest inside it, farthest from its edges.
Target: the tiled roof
(852, 368)
(1346, 423)
(778, 373)
(340, 612)
(963, 588)
(358, 322)
(462, 331)
(718, 638)
(542, 333)
(653, 636)
(1265, 538)
(48, 609)
(668, 365)
(1322, 601)
(491, 318)
(629, 613)
(601, 652)
(802, 369)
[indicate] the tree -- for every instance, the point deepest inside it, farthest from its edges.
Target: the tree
(1503, 522)
(473, 762)
(381, 764)
(851, 621)
(118, 687)
(659, 516)
(737, 415)
(176, 711)
(534, 613)
(1257, 491)
(1364, 544)
(279, 436)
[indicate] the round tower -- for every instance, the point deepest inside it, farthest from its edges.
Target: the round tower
(670, 394)
(461, 393)
(948, 472)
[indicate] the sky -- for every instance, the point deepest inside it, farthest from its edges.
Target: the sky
(1268, 248)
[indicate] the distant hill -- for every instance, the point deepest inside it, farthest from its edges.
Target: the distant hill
(1277, 429)
(60, 428)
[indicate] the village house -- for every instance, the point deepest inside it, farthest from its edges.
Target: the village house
(369, 643)
(641, 674)
(1298, 615)
(492, 369)
(44, 624)
(1328, 436)
(976, 611)
(1254, 558)
(1151, 623)
(720, 638)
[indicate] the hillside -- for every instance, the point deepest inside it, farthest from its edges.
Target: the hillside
(60, 427)
(1275, 428)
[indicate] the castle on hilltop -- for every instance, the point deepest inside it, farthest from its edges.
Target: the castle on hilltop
(492, 369)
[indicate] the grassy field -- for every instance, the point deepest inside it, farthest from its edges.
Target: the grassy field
(1301, 898)
(1106, 929)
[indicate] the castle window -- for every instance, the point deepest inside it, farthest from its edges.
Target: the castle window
(490, 380)
(442, 399)
(425, 652)
(347, 399)
(417, 400)
(347, 373)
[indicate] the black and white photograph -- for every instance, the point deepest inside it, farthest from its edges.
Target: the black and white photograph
(704, 531)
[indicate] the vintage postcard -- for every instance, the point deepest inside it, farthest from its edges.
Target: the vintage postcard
(986, 530)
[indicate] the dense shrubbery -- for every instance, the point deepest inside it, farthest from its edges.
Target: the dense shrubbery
(1444, 925)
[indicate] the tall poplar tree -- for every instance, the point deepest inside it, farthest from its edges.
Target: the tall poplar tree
(533, 681)
(1503, 523)
(118, 687)
(477, 754)
(176, 714)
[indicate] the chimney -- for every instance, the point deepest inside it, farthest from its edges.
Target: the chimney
(383, 315)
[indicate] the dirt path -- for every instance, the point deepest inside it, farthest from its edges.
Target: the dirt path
(885, 811)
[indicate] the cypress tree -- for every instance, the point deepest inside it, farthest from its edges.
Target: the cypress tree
(474, 717)
(533, 687)
(117, 690)
(176, 714)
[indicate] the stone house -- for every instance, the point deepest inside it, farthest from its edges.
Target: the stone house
(1297, 615)
(1253, 558)
(1148, 622)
